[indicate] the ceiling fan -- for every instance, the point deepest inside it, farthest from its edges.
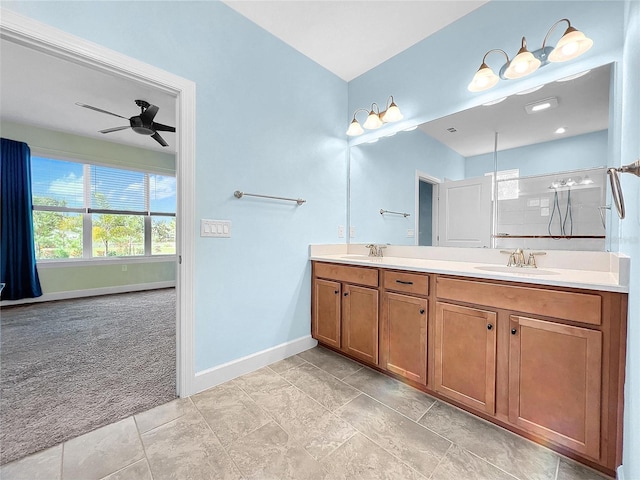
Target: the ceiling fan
(142, 124)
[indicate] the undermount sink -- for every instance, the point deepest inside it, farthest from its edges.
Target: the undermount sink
(516, 270)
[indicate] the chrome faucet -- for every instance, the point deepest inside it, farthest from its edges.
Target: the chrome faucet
(373, 250)
(516, 258)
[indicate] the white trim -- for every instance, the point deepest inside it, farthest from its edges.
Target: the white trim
(104, 261)
(434, 216)
(44, 38)
(619, 473)
(90, 292)
(228, 371)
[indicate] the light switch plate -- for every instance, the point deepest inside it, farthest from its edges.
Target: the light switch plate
(215, 228)
(340, 231)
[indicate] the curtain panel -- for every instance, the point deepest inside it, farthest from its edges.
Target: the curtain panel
(18, 257)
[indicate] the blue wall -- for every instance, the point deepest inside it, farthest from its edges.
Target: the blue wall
(387, 170)
(260, 129)
(630, 234)
(573, 153)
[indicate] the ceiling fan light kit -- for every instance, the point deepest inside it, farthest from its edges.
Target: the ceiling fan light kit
(375, 118)
(572, 44)
(142, 124)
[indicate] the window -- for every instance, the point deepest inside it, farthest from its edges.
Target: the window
(508, 184)
(90, 211)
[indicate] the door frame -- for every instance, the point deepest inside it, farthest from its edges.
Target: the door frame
(46, 39)
(424, 177)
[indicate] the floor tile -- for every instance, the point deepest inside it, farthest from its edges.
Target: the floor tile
(509, 452)
(393, 393)
(163, 414)
(43, 465)
(331, 362)
(312, 426)
(361, 459)
(416, 446)
(261, 382)
(459, 464)
(568, 470)
(137, 471)
(286, 364)
(186, 448)
(321, 386)
(230, 412)
(270, 454)
(104, 451)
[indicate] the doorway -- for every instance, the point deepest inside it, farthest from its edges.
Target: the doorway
(426, 209)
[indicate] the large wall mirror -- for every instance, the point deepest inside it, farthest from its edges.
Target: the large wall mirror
(543, 152)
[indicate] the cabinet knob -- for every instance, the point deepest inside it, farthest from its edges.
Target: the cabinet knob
(421, 310)
(336, 292)
(489, 326)
(346, 294)
(514, 331)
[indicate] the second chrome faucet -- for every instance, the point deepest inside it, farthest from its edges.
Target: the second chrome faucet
(516, 258)
(375, 250)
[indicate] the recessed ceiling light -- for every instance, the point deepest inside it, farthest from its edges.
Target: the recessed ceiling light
(494, 102)
(530, 90)
(561, 130)
(410, 129)
(540, 105)
(573, 77)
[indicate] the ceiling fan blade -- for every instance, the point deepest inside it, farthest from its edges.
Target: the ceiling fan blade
(149, 114)
(114, 129)
(99, 110)
(156, 136)
(163, 128)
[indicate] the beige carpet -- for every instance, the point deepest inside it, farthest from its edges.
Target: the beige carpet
(71, 366)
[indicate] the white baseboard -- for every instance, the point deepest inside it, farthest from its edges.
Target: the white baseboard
(620, 473)
(90, 292)
(228, 371)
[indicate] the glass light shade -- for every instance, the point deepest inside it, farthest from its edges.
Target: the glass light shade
(484, 79)
(522, 65)
(373, 121)
(392, 114)
(355, 129)
(572, 44)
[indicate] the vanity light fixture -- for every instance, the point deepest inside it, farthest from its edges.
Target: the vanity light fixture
(375, 118)
(572, 44)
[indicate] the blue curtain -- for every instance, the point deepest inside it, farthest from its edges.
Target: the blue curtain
(18, 260)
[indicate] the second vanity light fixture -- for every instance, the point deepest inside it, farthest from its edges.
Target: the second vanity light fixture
(572, 44)
(376, 118)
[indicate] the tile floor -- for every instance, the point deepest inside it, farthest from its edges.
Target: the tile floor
(315, 415)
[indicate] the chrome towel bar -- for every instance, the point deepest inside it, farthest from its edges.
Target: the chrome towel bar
(405, 215)
(239, 194)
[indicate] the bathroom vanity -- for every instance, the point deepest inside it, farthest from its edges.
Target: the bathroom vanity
(540, 351)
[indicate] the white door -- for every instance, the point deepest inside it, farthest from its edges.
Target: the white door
(464, 213)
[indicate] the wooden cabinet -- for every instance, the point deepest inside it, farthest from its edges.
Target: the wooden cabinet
(344, 315)
(404, 339)
(465, 355)
(404, 322)
(555, 382)
(360, 322)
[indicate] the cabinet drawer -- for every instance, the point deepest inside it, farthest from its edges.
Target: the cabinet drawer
(406, 282)
(578, 307)
(343, 273)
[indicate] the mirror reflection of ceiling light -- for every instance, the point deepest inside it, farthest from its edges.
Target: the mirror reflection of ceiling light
(572, 44)
(573, 77)
(560, 130)
(540, 105)
(494, 102)
(410, 129)
(586, 180)
(375, 118)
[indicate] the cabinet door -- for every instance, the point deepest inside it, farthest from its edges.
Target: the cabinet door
(554, 382)
(465, 355)
(405, 336)
(326, 312)
(360, 323)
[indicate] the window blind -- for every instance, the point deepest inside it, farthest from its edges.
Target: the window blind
(117, 189)
(56, 183)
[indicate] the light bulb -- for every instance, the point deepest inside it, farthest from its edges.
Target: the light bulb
(484, 79)
(523, 64)
(572, 44)
(392, 114)
(354, 129)
(373, 121)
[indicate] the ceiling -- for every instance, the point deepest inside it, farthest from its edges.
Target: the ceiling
(583, 107)
(350, 38)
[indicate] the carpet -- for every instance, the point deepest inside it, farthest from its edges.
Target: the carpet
(71, 366)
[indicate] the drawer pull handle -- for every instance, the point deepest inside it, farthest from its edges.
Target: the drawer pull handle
(514, 331)
(422, 311)
(489, 326)
(403, 282)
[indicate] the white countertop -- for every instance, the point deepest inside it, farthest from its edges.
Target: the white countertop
(611, 275)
